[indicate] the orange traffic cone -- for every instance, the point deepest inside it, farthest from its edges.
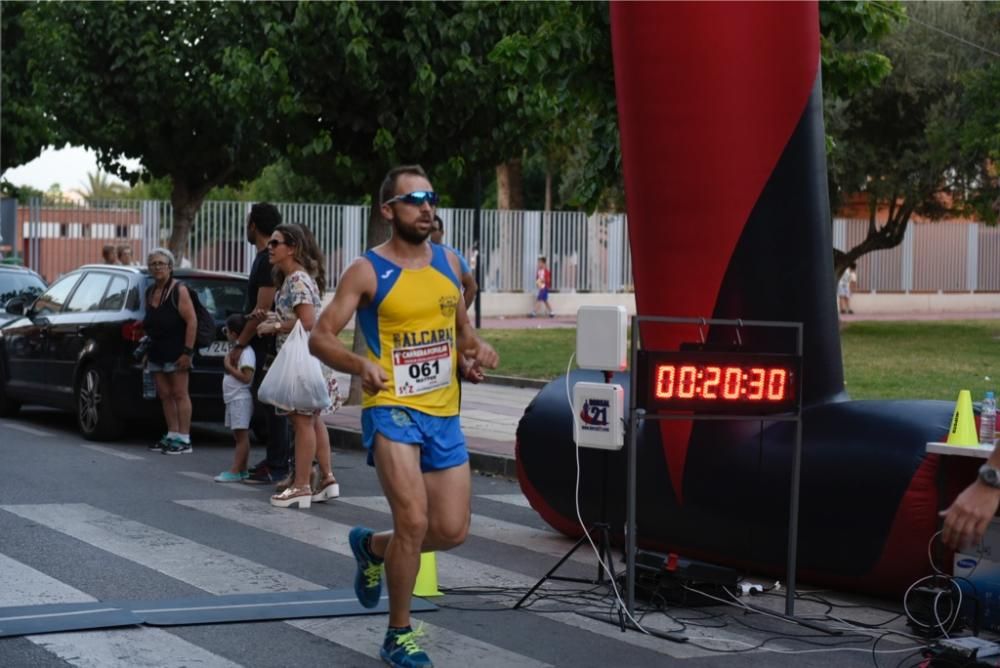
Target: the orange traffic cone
(963, 423)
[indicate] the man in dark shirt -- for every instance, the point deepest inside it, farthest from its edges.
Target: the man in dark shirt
(261, 221)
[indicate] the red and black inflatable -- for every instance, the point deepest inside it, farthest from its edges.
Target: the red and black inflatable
(720, 112)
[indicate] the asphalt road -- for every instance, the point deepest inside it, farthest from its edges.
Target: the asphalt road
(81, 521)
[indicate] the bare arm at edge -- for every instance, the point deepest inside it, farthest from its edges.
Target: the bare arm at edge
(265, 301)
(356, 286)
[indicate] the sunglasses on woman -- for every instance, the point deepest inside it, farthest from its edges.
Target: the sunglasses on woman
(416, 198)
(274, 243)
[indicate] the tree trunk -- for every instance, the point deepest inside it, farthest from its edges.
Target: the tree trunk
(510, 185)
(878, 238)
(186, 201)
(379, 231)
(186, 204)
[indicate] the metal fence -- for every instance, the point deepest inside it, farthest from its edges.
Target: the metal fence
(933, 257)
(585, 253)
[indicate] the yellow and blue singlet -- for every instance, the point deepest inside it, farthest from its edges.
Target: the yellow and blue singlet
(409, 327)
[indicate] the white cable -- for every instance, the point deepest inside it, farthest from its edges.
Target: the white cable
(953, 614)
(741, 605)
(579, 517)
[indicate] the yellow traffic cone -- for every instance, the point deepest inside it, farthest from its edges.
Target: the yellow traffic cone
(427, 577)
(963, 424)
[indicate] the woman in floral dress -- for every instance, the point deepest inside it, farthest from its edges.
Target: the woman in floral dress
(298, 277)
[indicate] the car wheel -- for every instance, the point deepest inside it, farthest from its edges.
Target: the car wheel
(8, 406)
(94, 413)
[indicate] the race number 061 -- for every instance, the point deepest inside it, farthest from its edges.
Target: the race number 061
(425, 370)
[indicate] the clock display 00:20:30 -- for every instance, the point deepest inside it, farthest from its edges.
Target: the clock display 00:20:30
(716, 382)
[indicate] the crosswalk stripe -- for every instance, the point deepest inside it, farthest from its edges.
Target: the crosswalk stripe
(202, 566)
(27, 430)
(207, 477)
(512, 499)
(312, 529)
(114, 452)
(536, 540)
(444, 646)
(453, 571)
(22, 585)
(219, 572)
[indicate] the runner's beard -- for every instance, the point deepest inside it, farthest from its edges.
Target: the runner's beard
(411, 235)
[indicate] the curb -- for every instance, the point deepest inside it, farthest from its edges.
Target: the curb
(481, 462)
(516, 381)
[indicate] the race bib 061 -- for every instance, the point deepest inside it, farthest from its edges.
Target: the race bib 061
(420, 369)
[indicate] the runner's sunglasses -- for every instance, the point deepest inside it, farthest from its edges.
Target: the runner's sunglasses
(416, 198)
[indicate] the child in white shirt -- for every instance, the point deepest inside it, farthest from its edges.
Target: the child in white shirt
(239, 401)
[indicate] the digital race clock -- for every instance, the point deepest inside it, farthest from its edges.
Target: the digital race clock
(726, 383)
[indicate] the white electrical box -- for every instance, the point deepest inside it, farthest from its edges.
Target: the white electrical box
(601, 343)
(598, 415)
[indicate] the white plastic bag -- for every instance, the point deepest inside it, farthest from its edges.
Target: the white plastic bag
(295, 380)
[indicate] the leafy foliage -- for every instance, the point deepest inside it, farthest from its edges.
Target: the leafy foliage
(848, 33)
(149, 80)
(457, 86)
(25, 129)
(902, 142)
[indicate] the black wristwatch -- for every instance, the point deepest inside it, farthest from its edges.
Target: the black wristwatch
(187, 351)
(989, 476)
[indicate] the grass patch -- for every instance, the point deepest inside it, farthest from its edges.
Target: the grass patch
(882, 360)
(921, 360)
(532, 353)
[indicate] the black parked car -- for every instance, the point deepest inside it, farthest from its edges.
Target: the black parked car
(72, 348)
(17, 284)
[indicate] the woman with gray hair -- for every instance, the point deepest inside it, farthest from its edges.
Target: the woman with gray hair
(170, 324)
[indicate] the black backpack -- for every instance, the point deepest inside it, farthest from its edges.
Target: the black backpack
(205, 332)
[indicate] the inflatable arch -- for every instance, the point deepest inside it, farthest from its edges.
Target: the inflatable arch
(720, 111)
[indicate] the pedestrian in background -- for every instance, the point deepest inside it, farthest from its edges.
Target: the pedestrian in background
(239, 401)
(124, 254)
(468, 369)
(261, 222)
(299, 274)
(543, 282)
(171, 325)
(469, 285)
(110, 254)
(845, 288)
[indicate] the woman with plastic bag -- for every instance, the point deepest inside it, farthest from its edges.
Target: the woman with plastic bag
(296, 383)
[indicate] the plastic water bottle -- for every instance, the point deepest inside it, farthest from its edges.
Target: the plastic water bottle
(148, 386)
(988, 419)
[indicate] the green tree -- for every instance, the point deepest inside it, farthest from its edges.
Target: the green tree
(25, 129)
(150, 81)
(849, 32)
(450, 85)
(905, 144)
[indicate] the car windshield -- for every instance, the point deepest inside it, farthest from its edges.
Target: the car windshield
(222, 297)
(19, 284)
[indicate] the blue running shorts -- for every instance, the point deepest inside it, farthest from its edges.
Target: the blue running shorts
(440, 439)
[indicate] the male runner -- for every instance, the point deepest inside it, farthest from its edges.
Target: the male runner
(411, 313)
